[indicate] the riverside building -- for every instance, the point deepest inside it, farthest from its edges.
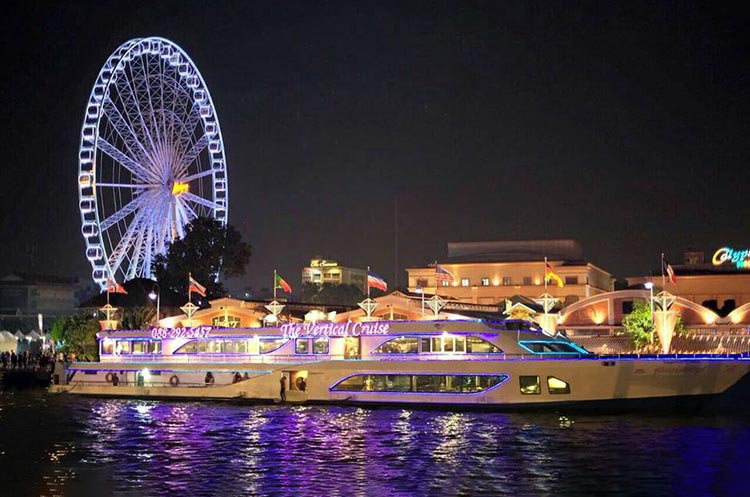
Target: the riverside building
(490, 272)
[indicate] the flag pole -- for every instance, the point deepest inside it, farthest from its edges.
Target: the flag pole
(274, 284)
(545, 289)
(368, 282)
(190, 287)
(663, 279)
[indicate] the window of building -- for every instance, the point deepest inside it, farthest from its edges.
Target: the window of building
(530, 385)
(485, 282)
(571, 280)
(627, 306)
(464, 281)
(445, 283)
(527, 280)
(557, 386)
(507, 281)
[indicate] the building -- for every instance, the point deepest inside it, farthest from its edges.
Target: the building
(721, 284)
(322, 271)
(25, 296)
(490, 272)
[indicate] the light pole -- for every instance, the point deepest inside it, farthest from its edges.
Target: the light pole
(156, 295)
(650, 286)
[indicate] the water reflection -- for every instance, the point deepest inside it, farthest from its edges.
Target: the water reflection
(77, 447)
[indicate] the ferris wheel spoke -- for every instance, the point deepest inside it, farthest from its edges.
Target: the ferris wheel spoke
(199, 200)
(202, 174)
(124, 129)
(121, 214)
(137, 186)
(188, 157)
(127, 162)
(127, 90)
(187, 213)
(121, 250)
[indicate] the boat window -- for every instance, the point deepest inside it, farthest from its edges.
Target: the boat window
(549, 347)
(302, 346)
(320, 345)
(270, 344)
(530, 385)
(460, 344)
(400, 345)
(556, 385)
(154, 347)
(108, 347)
(241, 346)
(189, 348)
(123, 347)
(476, 345)
(230, 347)
(419, 383)
(139, 346)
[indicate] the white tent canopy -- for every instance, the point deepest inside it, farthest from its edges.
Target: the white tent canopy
(8, 341)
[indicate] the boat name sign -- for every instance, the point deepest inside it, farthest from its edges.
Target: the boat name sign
(181, 332)
(291, 330)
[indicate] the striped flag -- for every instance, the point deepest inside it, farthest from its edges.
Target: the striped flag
(442, 274)
(549, 274)
(375, 281)
(196, 287)
(667, 268)
(115, 287)
(281, 283)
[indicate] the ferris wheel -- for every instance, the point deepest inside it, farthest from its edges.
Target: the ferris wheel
(151, 158)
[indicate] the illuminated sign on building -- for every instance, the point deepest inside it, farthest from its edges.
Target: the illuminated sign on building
(334, 329)
(740, 258)
(183, 332)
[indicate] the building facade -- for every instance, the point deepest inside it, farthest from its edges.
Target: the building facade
(28, 295)
(490, 272)
(721, 283)
(322, 271)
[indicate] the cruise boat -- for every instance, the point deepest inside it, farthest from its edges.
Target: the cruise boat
(508, 364)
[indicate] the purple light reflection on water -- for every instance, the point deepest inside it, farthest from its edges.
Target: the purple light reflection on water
(57, 445)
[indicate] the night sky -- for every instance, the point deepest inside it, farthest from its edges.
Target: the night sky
(623, 126)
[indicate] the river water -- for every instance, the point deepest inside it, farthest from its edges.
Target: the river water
(69, 446)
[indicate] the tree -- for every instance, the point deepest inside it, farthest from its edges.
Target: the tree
(77, 334)
(639, 324)
(137, 318)
(207, 250)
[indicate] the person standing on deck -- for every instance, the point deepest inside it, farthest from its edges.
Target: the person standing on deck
(282, 382)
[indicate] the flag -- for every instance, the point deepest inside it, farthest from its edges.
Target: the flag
(375, 281)
(442, 274)
(115, 287)
(281, 283)
(196, 287)
(549, 274)
(667, 268)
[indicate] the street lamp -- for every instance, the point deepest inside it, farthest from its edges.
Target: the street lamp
(650, 286)
(156, 295)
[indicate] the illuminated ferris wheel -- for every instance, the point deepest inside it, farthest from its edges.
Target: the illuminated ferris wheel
(151, 158)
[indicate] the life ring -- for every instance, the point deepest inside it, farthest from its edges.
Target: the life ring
(109, 377)
(174, 380)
